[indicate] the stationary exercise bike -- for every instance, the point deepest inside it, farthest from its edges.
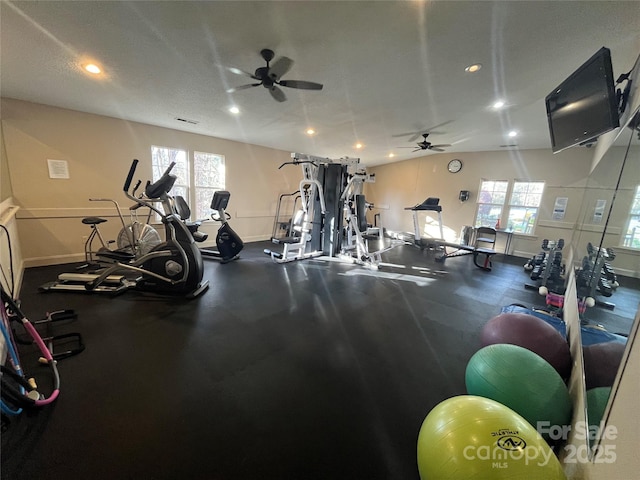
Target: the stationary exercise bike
(134, 239)
(228, 242)
(172, 267)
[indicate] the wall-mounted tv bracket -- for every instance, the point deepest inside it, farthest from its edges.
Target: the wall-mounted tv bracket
(622, 96)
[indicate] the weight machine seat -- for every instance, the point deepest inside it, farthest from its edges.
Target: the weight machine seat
(93, 220)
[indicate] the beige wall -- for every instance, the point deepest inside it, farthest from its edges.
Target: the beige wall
(99, 151)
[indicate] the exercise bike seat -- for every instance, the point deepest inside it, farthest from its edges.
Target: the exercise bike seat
(93, 220)
(184, 212)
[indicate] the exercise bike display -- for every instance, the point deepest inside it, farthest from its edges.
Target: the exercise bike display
(172, 267)
(228, 242)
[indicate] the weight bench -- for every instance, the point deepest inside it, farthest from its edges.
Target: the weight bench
(483, 245)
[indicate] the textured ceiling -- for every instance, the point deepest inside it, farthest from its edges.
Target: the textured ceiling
(389, 68)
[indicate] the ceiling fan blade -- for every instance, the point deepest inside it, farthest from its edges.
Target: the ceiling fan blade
(301, 84)
(237, 71)
(441, 145)
(243, 87)
(415, 136)
(277, 93)
(405, 147)
(436, 149)
(280, 67)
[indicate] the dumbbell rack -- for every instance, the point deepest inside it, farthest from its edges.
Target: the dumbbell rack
(547, 269)
(596, 275)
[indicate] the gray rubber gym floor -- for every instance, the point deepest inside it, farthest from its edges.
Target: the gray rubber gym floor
(308, 370)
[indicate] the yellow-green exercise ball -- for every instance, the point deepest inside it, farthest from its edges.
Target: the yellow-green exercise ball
(476, 438)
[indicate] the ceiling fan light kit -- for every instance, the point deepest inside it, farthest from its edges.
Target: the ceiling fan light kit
(269, 77)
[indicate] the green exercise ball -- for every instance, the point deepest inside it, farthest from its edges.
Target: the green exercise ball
(469, 437)
(597, 399)
(521, 380)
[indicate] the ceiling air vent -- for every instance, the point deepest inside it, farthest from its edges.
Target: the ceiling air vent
(508, 146)
(185, 120)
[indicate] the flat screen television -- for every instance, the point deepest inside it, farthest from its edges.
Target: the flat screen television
(584, 106)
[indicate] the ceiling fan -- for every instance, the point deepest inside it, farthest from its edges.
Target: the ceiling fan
(416, 133)
(269, 77)
(424, 145)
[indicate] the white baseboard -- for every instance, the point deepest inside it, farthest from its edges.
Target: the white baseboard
(54, 260)
(79, 257)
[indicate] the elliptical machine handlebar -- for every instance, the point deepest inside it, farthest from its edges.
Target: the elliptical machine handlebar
(132, 171)
(151, 190)
(162, 185)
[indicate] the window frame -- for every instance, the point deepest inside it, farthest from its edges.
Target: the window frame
(530, 227)
(480, 203)
(635, 202)
(186, 183)
(508, 205)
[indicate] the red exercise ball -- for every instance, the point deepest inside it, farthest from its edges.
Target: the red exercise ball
(532, 333)
(601, 362)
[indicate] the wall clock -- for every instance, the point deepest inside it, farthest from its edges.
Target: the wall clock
(454, 165)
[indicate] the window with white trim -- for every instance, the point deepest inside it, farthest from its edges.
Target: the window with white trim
(491, 200)
(632, 233)
(523, 206)
(199, 175)
(519, 214)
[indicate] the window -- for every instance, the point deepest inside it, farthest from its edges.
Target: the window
(523, 206)
(632, 234)
(208, 176)
(491, 199)
(199, 175)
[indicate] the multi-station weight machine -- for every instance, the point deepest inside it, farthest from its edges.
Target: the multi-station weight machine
(326, 216)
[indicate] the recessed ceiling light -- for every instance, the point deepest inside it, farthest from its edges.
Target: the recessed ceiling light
(310, 131)
(513, 133)
(499, 104)
(359, 145)
(92, 68)
(391, 155)
(235, 110)
(473, 68)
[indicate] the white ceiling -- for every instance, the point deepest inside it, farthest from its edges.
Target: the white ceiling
(388, 67)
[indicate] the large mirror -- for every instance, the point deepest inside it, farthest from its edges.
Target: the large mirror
(606, 245)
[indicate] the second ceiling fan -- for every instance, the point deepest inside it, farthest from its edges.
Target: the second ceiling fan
(269, 77)
(424, 145)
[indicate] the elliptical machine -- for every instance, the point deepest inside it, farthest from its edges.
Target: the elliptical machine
(172, 267)
(228, 242)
